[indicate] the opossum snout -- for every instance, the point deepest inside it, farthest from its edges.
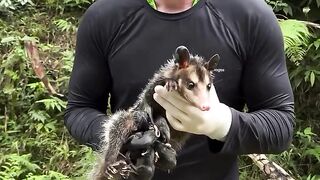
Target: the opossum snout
(205, 107)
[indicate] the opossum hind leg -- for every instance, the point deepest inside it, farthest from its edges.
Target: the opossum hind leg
(117, 129)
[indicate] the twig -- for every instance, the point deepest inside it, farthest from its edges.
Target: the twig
(272, 170)
(308, 23)
(283, 16)
(33, 54)
(5, 119)
(312, 24)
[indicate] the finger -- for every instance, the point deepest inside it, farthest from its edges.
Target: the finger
(172, 109)
(175, 123)
(174, 99)
(174, 95)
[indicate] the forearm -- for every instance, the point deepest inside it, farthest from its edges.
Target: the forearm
(263, 131)
(89, 84)
(84, 124)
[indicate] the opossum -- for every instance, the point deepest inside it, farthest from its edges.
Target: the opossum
(192, 77)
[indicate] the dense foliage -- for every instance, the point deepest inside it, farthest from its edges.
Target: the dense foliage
(33, 141)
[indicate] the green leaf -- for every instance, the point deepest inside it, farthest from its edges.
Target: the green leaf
(295, 33)
(28, 38)
(53, 103)
(37, 115)
(39, 126)
(312, 78)
(287, 10)
(8, 89)
(307, 75)
(317, 43)
(307, 131)
(8, 39)
(35, 85)
(318, 3)
(314, 152)
(50, 126)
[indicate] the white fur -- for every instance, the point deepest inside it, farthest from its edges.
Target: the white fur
(107, 126)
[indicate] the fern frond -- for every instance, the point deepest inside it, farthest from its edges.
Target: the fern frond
(296, 53)
(294, 32)
(296, 36)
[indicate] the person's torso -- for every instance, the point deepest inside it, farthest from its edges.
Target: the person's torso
(145, 40)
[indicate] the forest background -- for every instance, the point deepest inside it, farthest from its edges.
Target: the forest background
(34, 143)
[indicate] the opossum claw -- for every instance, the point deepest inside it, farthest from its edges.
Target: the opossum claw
(156, 156)
(171, 85)
(168, 145)
(146, 152)
(112, 170)
(125, 172)
(156, 130)
(116, 168)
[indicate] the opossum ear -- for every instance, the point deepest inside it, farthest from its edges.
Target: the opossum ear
(182, 57)
(213, 62)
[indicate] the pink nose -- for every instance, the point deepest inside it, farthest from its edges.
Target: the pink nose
(205, 107)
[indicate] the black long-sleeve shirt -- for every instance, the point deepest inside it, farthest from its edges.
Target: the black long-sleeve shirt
(121, 43)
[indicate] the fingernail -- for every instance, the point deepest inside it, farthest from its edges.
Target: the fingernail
(157, 89)
(155, 96)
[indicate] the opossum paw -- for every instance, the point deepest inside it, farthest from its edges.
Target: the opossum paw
(167, 156)
(171, 85)
(119, 167)
(125, 171)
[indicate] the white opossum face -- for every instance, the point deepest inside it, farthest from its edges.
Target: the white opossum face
(195, 85)
(194, 77)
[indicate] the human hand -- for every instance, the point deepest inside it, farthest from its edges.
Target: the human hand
(183, 116)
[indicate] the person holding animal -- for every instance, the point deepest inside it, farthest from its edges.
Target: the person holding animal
(121, 44)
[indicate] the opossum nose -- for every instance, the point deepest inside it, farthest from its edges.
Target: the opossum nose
(205, 107)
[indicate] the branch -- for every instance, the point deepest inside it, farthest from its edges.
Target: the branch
(312, 24)
(33, 54)
(271, 170)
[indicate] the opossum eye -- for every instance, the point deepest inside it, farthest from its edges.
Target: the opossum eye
(209, 87)
(190, 85)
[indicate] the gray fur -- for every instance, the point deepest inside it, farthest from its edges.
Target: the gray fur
(118, 127)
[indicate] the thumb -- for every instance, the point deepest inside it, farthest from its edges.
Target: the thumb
(213, 95)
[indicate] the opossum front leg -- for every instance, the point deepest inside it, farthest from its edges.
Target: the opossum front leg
(171, 84)
(167, 155)
(163, 127)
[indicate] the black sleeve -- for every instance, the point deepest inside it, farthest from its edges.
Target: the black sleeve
(90, 81)
(268, 126)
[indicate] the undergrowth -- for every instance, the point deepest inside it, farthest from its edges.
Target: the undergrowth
(36, 145)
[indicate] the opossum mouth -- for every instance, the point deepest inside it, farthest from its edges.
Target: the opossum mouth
(190, 101)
